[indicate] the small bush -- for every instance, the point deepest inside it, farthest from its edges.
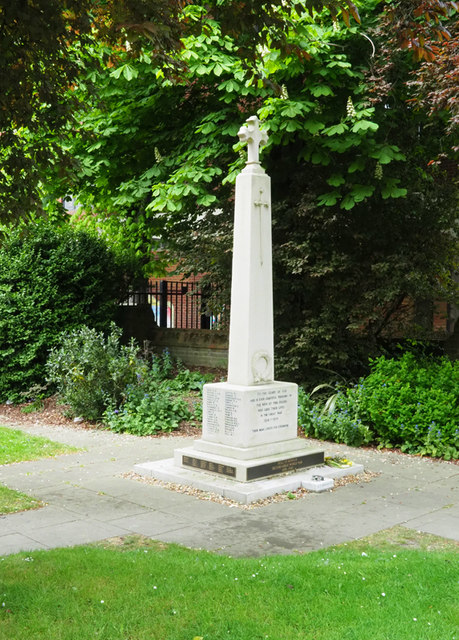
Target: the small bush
(162, 366)
(92, 371)
(146, 411)
(412, 403)
(156, 402)
(187, 380)
(339, 425)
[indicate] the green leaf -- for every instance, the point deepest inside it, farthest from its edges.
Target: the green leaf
(116, 72)
(387, 153)
(208, 127)
(291, 125)
(361, 191)
(292, 110)
(347, 202)
(358, 165)
(206, 200)
(336, 180)
(391, 190)
(319, 157)
(130, 72)
(321, 90)
(343, 142)
(313, 126)
(336, 129)
(339, 63)
(364, 125)
(329, 199)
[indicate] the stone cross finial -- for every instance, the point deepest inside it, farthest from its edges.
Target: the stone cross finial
(255, 138)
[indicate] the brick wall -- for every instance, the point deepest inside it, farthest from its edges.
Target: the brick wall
(184, 300)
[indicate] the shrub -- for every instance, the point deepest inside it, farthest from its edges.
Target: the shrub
(92, 372)
(146, 411)
(52, 280)
(412, 403)
(156, 402)
(339, 425)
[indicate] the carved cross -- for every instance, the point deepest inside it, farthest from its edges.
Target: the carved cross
(255, 138)
(261, 204)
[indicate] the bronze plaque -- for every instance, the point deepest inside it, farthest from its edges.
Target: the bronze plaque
(286, 466)
(207, 465)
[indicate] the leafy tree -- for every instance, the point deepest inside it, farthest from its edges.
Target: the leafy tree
(42, 48)
(354, 232)
(38, 62)
(433, 85)
(140, 110)
(52, 279)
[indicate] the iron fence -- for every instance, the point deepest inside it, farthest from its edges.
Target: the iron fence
(175, 305)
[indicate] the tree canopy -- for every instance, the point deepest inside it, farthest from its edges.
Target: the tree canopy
(365, 205)
(42, 45)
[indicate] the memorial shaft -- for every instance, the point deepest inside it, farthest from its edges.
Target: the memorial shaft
(251, 344)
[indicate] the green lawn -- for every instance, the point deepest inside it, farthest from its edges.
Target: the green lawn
(12, 501)
(150, 591)
(17, 446)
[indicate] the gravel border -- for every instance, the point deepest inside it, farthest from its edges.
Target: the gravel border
(298, 494)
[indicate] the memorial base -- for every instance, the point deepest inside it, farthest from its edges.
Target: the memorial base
(247, 470)
(249, 432)
(316, 479)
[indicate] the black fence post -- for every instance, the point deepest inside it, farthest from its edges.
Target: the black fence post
(205, 319)
(163, 303)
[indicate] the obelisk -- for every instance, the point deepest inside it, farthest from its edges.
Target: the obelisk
(251, 347)
(249, 427)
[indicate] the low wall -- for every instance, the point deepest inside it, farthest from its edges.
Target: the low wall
(194, 347)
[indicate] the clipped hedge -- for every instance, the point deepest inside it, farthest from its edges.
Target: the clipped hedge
(52, 279)
(411, 403)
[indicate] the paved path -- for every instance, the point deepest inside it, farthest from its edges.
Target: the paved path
(87, 500)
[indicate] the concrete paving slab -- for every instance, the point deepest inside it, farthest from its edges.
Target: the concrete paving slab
(89, 504)
(212, 512)
(74, 533)
(14, 543)
(156, 497)
(47, 516)
(89, 501)
(110, 485)
(440, 523)
(152, 524)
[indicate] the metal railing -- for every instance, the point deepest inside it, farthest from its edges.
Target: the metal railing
(175, 305)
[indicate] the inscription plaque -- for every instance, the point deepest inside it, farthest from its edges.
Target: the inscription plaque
(285, 466)
(247, 417)
(206, 465)
(271, 407)
(212, 407)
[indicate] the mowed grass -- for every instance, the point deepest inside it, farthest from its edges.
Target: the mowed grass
(18, 446)
(141, 590)
(13, 501)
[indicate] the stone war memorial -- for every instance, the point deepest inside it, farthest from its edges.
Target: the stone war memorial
(249, 447)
